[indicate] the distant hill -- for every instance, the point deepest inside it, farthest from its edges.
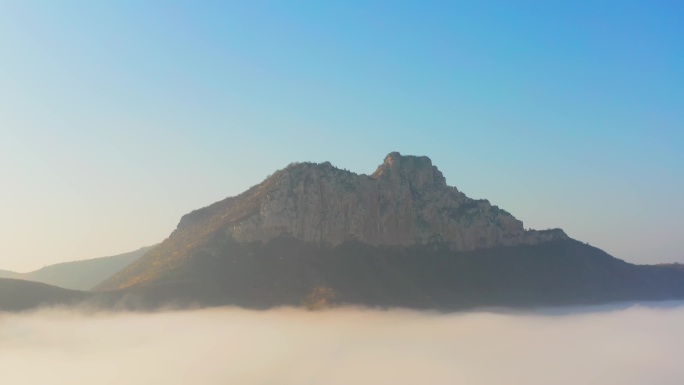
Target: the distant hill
(79, 275)
(7, 274)
(16, 295)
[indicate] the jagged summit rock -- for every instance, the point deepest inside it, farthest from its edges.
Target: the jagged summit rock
(406, 201)
(416, 170)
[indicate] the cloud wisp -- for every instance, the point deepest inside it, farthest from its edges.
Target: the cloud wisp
(632, 345)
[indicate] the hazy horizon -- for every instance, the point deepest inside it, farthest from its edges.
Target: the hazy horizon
(118, 118)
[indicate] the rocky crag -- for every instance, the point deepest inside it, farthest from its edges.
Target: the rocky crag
(406, 201)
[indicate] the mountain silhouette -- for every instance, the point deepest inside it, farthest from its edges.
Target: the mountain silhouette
(314, 235)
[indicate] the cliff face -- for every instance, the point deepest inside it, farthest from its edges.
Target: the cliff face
(406, 201)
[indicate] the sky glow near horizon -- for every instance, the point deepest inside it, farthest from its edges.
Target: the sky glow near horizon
(116, 119)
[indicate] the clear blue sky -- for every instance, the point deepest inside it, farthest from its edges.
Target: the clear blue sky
(118, 117)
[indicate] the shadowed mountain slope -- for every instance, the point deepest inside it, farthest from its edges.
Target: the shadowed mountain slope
(288, 271)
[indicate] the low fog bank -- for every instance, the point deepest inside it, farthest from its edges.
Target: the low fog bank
(627, 345)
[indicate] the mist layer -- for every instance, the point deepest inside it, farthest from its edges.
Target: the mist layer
(631, 345)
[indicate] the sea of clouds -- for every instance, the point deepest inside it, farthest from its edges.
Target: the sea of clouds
(602, 346)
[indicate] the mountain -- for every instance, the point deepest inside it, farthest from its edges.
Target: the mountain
(79, 275)
(405, 202)
(313, 234)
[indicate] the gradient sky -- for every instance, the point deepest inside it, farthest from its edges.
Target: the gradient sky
(116, 118)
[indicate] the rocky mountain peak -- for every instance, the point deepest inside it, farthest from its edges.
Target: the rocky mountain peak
(406, 201)
(417, 170)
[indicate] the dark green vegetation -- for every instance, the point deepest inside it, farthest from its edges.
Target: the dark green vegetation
(79, 275)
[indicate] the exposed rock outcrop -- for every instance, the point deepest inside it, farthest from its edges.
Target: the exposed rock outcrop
(406, 201)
